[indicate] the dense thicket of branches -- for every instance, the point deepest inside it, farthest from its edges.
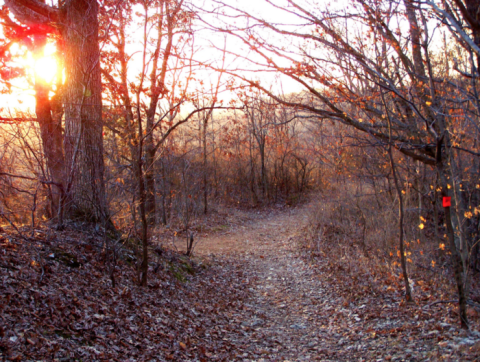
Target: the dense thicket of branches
(385, 69)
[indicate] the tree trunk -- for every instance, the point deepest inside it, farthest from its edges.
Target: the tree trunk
(164, 195)
(205, 165)
(408, 291)
(83, 141)
(157, 90)
(443, 175)
(415, 35)
(252, 173)
(150, 203)
(263, 170)
(471, 15)
(83, 113)
(143, 217)
(51, 134)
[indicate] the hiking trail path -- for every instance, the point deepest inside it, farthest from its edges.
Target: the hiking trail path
(294, 314)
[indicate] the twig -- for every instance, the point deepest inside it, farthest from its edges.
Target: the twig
(43, 270)
(8, 267)
(470, 303)
(2, 214)
(34, 208)
(173, 243)
(41, 276)
(18, 176)
(473, 304)
(426, 267)
(440, 301)
(195, 245)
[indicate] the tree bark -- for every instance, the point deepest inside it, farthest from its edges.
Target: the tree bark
(83, 112)
(456, 256)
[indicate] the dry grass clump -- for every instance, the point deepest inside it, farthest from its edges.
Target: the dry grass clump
(355, 237)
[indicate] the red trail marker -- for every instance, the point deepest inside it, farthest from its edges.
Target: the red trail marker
(447, 201)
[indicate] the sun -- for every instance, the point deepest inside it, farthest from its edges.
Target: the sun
(41, 66)
(45, 67)
(38, 67)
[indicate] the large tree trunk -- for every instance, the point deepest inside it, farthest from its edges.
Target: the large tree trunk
(83, 141)
(471, 14)
(83, 112)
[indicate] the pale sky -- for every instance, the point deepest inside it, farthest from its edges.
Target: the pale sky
(22, 93)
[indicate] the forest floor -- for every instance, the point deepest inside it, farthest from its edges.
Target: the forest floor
(249, 294)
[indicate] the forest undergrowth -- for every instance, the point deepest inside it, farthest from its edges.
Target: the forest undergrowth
(257, 289)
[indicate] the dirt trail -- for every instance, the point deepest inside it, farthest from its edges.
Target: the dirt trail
(278, 324)
(295, 315)
(261, 233)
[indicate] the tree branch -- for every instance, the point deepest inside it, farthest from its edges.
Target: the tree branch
(34, 12)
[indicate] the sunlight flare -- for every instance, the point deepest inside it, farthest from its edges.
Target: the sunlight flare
(46, 68)
(43, 65)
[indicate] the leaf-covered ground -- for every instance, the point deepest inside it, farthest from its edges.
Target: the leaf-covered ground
(248, 295)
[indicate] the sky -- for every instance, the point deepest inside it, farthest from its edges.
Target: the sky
(261, 9)
(23, 96)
